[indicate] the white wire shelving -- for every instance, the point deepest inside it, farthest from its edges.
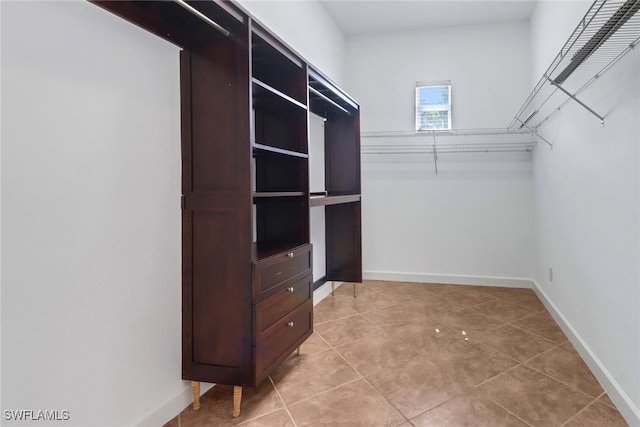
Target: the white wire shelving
(484, 140)
(608, 31)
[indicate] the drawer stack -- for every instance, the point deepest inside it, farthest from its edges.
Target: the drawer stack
(282, 307)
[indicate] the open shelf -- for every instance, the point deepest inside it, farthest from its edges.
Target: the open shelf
(609, 30)
(269, 97)
(333, 200)
(281, 151)
(326, 99)
(277, 194)
(278, 68)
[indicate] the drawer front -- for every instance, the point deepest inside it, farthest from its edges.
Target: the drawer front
(278, 271)
(283, 339)
(274, 308)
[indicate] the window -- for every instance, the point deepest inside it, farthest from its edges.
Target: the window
(433, 106)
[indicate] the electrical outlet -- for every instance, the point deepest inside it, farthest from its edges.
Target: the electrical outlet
(551, 274)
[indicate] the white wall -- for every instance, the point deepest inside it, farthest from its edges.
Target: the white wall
(474, 217)
(308, 28)
(91, 212)
(587, 210)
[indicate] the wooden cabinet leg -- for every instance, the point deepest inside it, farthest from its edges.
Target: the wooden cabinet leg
(237, 397)
(354, 289)
(195, 388)
(298, 351)
(333, 288)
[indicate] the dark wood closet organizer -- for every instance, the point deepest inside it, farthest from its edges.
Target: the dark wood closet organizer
(247, 291)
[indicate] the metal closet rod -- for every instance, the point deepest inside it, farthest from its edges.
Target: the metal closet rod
(202, 16)
(447, 132)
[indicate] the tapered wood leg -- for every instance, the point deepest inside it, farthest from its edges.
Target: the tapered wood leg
(195, 388)
(237, 397)
(354, 289)
(298, 351)
(333, 288)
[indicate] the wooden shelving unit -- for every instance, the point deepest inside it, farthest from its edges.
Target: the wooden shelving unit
(245, 100)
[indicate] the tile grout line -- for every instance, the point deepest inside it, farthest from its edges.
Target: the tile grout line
(362, 376)
(286, 408)
(580, 411)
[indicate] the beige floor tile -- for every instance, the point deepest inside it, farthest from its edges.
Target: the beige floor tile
(346, 330)
(502, 292)
(470, 409)
(469, 364)
(379, 285)
(300, 377)
(527, 300)
(466, 296)
(534, 397)
(366, 302)
(517, 343)
(607, 400)
(407, 292)
(503, 311)
(331, 309)
(173, 423)
(354, 404)
(439, 288)
(314, 344)
(434, 307)
(542, 324)
(598, 415)
(346, 289)
(216, 406)
(438, 354)
(373, 353)
(469, 320)
(427, 334)
(415, 386)
(565, 364)
(279, 418)
(392, 317)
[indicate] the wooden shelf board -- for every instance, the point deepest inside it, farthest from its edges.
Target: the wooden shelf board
(333, 200)
(277, 150)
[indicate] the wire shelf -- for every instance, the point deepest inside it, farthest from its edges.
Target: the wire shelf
(496, 147)
(609, 30)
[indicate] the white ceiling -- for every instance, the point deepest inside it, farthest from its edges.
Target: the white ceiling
(382, 16)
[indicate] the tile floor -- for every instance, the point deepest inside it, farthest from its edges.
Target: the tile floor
(408, 354)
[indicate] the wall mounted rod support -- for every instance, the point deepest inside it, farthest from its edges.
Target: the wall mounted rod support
(202, 16)
(435, 153)
(535, 133)
(577, 100)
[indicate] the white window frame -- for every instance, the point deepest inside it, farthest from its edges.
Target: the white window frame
(443, 107)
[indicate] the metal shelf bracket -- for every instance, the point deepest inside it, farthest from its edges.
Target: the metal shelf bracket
(533, 131)
(570, 95)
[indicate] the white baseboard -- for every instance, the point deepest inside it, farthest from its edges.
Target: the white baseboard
(163, 413)
(625, 405)
(507, 282)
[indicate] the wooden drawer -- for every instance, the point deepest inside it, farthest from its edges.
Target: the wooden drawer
(282, 339)
(279, 271)
(281, 304)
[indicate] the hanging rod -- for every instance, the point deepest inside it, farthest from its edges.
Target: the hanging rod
(608, 31)
(202, 16)
(447, 132)
(490, 147)
(327, 99)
